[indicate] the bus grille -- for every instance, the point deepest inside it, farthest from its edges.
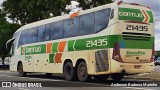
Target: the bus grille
(136, 36)
(102, 61)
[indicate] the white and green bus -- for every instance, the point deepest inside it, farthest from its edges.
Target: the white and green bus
(114, 40)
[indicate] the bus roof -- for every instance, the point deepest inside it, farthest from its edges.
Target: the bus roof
(58, 18)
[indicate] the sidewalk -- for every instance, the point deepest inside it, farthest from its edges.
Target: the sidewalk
(146, 76)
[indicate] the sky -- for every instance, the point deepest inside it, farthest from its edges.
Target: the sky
(155, 6)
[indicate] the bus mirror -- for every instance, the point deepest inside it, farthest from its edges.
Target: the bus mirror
(9, 43)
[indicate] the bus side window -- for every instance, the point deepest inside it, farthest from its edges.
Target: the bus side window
(23, 38)
(16, 36)
(71, 27)
(33, 35)
(101, 20)
(86, 24)
(56, 31)
(48, 27)
(41, 33)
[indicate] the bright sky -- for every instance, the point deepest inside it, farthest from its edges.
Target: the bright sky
(1, 1)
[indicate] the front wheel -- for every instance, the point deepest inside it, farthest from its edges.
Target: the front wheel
(20, 70)
(82, 72)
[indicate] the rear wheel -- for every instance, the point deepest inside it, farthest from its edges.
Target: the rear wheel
(20, 70)
(69, 72)
(82, 72)
(117, 77)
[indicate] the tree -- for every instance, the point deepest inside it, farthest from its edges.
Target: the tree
(87, 4)
(6, 31)
(28, 11)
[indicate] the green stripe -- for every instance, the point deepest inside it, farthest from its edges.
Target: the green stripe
(101, 42)
(54, 47)
(36, 49)
(70, 45)
(51, 58)
(150, 15)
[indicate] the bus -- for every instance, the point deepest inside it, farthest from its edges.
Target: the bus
(111, 40)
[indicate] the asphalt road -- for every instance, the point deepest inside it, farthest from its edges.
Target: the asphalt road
(60, 83)
(157, 68)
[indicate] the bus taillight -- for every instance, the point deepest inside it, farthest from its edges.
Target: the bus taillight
(152, 57)
(119, 2)
(116, 53)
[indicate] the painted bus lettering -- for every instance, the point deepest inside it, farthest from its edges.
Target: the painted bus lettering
(131, 14)
(96, 43)
(33, 50)
(137, 27)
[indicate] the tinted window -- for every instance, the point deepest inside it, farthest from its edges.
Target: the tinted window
(101, 19)
(23, 38)
(33, 35)
(86, 24)
(47, 32)
(56, 31)
(41, 33)
(16, 35)
(71, 27)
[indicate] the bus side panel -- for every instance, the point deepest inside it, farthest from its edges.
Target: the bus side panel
(13, 63)
(48, 65)
(28, 63)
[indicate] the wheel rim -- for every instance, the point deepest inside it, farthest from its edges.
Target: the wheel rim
(82, 71)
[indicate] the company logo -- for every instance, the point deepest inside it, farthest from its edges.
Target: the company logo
(6, 84)
(131, 14)
(33, 50)
(135, 15)
(138, 53)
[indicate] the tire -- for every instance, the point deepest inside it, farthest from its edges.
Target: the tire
(48, 74)
(69, 72)
(101, 77)
(20, 70)
(82, 72)
(117, 77)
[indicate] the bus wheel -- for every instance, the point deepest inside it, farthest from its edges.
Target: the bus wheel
(48, 74)
(69, 71)
(20, 70)
(82, 72)
(117, 77)
(101, 77)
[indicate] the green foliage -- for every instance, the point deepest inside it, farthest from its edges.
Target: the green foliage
(158, 53)
(87, 4)
(27, 11)
(6, 32)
